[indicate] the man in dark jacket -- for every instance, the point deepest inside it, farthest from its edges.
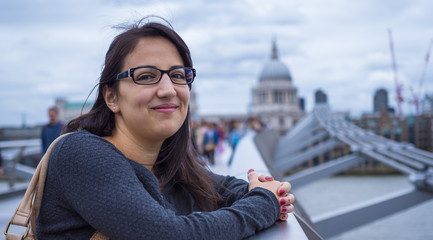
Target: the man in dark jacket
(51, 130)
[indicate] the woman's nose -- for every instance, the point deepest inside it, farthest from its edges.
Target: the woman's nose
(166, 87)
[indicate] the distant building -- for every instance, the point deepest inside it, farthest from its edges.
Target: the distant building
(320, 97)
(385, 124)
(193, 107)
(302, 103)
(421, 131)
(417, 130)
(71, 110)
(427, 104)
(380, 100)
(275, 101)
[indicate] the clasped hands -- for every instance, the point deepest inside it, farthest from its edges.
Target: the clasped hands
(280, 189)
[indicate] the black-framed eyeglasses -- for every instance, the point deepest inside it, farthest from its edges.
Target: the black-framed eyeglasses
(148, 75)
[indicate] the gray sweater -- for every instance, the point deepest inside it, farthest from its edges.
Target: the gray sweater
(92, 186)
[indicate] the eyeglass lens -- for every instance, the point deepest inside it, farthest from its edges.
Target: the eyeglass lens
(146, 75)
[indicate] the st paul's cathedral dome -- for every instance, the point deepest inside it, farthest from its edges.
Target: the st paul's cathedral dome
(275, 99)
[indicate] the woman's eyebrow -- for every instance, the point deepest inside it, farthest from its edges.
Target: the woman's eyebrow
(176, 66)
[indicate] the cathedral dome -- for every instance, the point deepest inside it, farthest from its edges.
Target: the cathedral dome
(274, 69)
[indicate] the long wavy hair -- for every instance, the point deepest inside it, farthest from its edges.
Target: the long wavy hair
(177, 162)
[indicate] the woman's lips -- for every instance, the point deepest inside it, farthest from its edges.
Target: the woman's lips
(166, 108)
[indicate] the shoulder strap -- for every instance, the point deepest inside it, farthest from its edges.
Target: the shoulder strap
(41, 184)
(99, 236)
(28, 209)
(23, 212)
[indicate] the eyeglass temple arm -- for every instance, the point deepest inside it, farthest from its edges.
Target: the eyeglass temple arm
(124, 74)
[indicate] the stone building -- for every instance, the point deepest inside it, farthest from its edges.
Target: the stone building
(320, 97)
(385, 125)
(71, 110)
(275, 99)
(427, 104)
(421, 131)
(380, 100)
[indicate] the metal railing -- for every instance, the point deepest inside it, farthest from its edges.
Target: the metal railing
(12, 153)
(318, 134)
(248, 156)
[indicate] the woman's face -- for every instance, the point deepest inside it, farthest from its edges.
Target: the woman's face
(152, 112)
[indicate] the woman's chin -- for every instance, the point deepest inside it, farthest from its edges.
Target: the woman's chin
(167, 132)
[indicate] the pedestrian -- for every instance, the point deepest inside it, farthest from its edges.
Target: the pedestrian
(52, 129)
(210, 143)
(1, 163)
(128, 169)
(235, 135)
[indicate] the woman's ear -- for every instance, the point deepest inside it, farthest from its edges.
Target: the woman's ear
(110, 97)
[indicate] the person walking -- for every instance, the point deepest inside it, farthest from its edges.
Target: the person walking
(52, 129)
(210, 143)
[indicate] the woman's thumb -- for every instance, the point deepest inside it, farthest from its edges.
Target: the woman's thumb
(252, 175)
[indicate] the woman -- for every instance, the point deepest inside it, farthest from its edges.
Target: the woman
(129, 170)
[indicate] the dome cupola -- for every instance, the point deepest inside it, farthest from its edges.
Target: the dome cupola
(274, 69)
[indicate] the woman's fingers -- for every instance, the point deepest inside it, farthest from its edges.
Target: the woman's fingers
(286, 205)
(252, 175)
(254, 182)
(287, 208)
(281, 191)
(287, 199)
(252, 179)
(284, 210)
(265, 178)
(284, 188)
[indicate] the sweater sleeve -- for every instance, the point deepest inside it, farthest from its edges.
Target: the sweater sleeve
(98, 183)
(230, 189)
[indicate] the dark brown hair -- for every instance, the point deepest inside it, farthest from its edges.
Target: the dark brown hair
(177, 162)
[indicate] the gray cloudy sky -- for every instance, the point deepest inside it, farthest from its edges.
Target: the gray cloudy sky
(53, 49)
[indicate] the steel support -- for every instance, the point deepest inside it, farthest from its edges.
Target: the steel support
(413, 164)
(299, 145)
(409, 154)
(323, 170)
(400, 167)
(287, 162)
(340, 221)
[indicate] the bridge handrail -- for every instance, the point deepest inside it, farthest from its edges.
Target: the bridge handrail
(248, 157)
(11, 153)
(20, 143)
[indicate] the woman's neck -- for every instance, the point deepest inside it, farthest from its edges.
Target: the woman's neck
(141, 151)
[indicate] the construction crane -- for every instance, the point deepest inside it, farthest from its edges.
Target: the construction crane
(416, 94)
(398, 86)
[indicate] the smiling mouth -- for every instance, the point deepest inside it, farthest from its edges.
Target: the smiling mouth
(166, 108)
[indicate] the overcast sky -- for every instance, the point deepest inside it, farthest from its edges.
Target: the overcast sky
(51, 49)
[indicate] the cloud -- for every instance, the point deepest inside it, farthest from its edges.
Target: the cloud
(342, 47)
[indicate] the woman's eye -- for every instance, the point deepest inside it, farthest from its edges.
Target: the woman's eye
(145, 77)
(178, 75)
